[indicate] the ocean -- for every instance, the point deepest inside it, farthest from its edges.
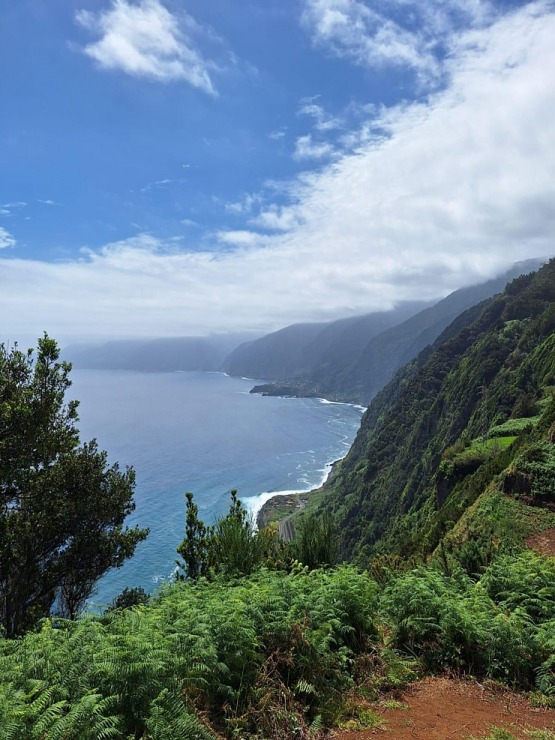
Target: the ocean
(205, 433)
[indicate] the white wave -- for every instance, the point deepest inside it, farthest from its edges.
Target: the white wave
(327, 402)
(253, 504)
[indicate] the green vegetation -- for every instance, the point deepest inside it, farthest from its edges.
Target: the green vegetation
(62, 507)
(317, 541)
(514, 426)
(271, 654)
(276, 654)
(470, 413)
(232, 546)
(452, 471)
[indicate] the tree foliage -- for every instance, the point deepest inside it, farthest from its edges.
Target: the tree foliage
(232, 546)
(316, 543)
(62, 506)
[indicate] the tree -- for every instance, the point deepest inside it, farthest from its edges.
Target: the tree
(194, 548)
(62, 507)
(128, 598)
(317, 541)
(232, 546)
(236, 547)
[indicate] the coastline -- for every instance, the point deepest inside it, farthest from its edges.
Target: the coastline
(264, 503)
(260, 506)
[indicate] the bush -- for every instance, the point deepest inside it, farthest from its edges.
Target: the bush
(317, 541)
(265, 654)
(233, 546)
(496, 627)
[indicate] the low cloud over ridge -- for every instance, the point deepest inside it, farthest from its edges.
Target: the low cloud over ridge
(435, 195)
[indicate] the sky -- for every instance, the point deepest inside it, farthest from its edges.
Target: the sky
(184, 167)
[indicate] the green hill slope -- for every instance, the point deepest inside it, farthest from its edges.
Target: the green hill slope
(475, 407)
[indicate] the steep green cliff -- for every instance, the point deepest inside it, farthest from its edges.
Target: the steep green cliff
(471, 416)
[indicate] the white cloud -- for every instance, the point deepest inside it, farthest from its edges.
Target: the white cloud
(323, 121)
(245, 205)
(456, 189)
(277, 135)
(401, 33)
(353, 29)
(240, 238)
(307, 148)
(278, 218)
(6, 209)
(157, 184)
(6, 239)
(146, 40)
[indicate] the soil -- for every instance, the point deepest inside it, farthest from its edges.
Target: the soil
(543, 542)
(448, 709)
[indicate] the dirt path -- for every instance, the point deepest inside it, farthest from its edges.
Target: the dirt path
(543, 542)
(446, 709)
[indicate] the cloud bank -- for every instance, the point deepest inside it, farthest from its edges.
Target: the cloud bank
(434, 195)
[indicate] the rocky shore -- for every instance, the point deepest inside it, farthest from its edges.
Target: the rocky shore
(282, 508)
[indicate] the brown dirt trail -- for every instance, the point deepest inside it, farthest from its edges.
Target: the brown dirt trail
(448, 709)
(543, 542)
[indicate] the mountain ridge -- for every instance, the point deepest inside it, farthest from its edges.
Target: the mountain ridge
(359, 379)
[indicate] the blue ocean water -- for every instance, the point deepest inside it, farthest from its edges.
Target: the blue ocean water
(205, 433)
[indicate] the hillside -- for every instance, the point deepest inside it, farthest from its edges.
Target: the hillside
(301, 348)
(275, 355)
(357, 377)
(472, 416)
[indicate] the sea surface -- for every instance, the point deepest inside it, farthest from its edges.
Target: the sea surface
(205, 433)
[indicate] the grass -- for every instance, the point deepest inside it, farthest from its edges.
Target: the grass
(501, 517)
(493, 443)
(514, 426)
(393, 704)
(360, 717)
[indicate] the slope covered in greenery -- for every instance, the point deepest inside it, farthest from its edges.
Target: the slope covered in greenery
(470, 415)
(275, 655)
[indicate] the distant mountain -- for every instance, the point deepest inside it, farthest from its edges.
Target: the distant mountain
(301, 348)
(276, 355)
(347, 359)
(358, 379)
(155, 355)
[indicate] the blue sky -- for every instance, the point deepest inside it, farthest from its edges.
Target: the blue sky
(173, 168)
